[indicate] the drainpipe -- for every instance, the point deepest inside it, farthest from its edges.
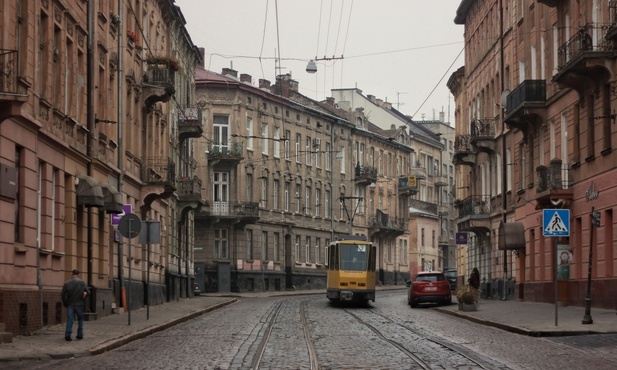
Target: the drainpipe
(120, 147)
(90, 144)
(504, 165)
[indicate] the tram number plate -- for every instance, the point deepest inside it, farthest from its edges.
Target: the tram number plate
(430, 289)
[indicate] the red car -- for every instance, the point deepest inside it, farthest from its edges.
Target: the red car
(429, 287)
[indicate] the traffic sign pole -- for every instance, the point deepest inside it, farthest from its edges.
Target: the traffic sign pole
(587, 318)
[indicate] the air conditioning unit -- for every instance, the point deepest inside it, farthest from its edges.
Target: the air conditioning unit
(316, 142)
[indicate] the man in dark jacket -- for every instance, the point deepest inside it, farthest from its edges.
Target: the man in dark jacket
(74, 292)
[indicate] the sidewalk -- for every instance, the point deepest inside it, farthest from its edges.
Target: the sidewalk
(537, 319)
(110, 332)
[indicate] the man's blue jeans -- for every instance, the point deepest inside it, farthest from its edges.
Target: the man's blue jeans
(71, 311)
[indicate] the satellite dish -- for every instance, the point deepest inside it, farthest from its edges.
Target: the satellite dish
(504, 98)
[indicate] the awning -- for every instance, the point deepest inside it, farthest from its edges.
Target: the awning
(511, 236)
(89, 193)
(112, 198)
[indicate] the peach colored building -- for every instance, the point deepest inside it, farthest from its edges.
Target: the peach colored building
(541, 72)
(85, 130)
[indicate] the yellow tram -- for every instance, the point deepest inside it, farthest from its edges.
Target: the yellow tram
(351, 270)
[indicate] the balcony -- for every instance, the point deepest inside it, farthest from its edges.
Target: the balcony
(189, 192)
(526, 105)
(444, 241)
(383, 226)
(159, 177)
(583, 61)
(238, 214)
(474, 214)
(190, 124)
(483, 134)
(554, 184)
(365, 175)
(441, 180)
(611, 33)
(226, 155)
(407, 185)
(421, 207)
(8, 80)
(463, 151)
(159, 82)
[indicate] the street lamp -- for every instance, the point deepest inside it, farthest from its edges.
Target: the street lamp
(311, 67)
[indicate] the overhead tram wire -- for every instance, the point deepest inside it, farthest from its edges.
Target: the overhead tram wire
(438, 82)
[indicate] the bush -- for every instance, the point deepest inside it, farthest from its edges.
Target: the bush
(468, 295)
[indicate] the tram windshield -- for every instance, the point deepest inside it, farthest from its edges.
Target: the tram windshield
(354, 257)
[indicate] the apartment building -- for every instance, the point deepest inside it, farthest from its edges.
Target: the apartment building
(85, 137)
(540, 71)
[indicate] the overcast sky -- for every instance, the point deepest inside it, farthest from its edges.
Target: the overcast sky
(398, 50)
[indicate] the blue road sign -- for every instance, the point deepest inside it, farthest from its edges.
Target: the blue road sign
(556, 222)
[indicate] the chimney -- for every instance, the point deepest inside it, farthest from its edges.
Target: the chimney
(387, 105)
(202, 51)
(330, 101)
(230, 72)
(285, 84)
(371, 98)
(379, 102)
(264, 84)
(442, 116)
(246, 78)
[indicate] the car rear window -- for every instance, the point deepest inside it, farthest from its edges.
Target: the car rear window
(430, 277)
(450, 273)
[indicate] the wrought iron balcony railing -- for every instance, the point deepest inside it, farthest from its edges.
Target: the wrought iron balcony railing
(247, 209)
(529, 91)
(189, 189)
(229, 149)
(8, 71)
(589, 38)
(159, 170)
(483, 128)
(475, 205)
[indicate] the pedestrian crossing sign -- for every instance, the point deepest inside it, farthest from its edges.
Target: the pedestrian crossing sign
(556, 222)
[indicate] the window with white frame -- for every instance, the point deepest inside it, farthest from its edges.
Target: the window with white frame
(297, 249)
(308, 250)
(249, 133)
(307, 202)
(342, 160)
(317, 251)
(221, 243)
(328, 156)
(263, 202)
(308, 151)
(371, 157)
(287, 138)
(264, 245)
(277, 143)
(341, 207)
(325, 254)
(298, 199)
(317, 202)
(318, 154)
(275, 194)
(298, 145)
(359, 201)
(286, 195)
(264, 138)
(275, 247)
(327, 204)
(249, 244)
(220, 137)
(361, 154)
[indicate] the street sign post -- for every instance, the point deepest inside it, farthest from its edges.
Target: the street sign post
(556, 223)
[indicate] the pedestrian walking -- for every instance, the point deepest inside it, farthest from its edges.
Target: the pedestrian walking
(74, 293)
(474, 279)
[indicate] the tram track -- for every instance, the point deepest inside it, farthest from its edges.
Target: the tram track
(422, 363)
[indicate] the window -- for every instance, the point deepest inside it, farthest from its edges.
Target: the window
(318, 154)
(308, 250)
(264, 138)
(249, 244)
(275, 247)
(277, 143)
(286, 195)
(249, 187)
(328, 156)
(220, 192)
(327, 204)
(317, 202)
(297, 248)
(325, 255)
(298, 144)
(249, 133)
(342, 160)
(275, 195)
(359, 201)
(422, 237)
(389, 243)
(317, 251)
(263, 202)
(264, 245)
(308, 151)
(221, 243)
(220, 139)
(307, 204)
(287, 138)
(433, 239)
(297, 195)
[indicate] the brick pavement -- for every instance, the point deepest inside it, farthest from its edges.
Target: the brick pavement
(110, 332)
